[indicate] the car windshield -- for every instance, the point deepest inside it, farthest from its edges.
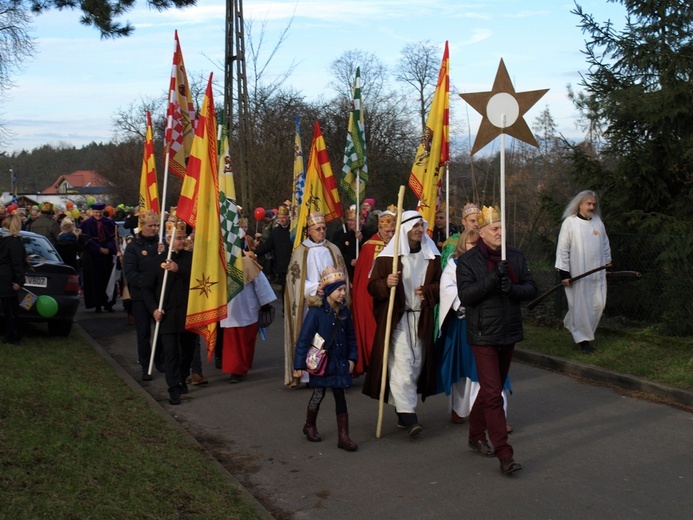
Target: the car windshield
(36, 245)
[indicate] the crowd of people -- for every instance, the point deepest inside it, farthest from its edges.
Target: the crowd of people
(436, 311)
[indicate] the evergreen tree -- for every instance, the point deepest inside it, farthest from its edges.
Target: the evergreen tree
(639, 79)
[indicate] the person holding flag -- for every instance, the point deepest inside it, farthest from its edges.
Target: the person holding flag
(170, 310)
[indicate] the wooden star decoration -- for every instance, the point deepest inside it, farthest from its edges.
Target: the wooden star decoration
(204, 285)
(483, 102)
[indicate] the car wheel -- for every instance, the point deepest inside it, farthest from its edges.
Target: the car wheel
(60, 328)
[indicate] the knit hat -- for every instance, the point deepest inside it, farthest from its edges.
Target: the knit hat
(332, 279)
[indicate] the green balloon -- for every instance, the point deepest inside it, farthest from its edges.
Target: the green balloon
(46, 306)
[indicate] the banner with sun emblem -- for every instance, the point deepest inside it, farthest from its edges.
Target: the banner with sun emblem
(199, 206)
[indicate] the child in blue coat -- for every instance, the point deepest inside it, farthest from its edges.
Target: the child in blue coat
(331, 319)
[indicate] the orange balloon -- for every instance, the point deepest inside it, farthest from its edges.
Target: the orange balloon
(69, 205)
(110, 210)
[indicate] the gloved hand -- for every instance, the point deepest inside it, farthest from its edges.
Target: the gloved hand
(502, 268)
(266, 307)
(506, 285)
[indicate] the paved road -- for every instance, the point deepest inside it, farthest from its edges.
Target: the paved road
(587, 451)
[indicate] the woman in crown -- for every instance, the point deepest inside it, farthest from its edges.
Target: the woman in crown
(329, 319)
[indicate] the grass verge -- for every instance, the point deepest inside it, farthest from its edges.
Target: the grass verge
(77, 442)
(637, 352)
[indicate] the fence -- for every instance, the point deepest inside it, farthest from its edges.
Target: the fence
(662, 298)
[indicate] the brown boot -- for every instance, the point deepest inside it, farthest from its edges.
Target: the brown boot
(309, 428)
(344, 441)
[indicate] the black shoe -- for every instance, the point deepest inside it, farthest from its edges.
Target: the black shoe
(109, 308)
(97, 310)
(174, 399)
(235, 378)
(586, 347)
(146, 376)
(414, 430)
(183, 388)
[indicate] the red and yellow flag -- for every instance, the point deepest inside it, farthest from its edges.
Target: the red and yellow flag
(199, 206)
(433, 152)
(320, 192)
(149, 190)
(180, 117)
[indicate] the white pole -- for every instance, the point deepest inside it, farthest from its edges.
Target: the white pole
(502, 187)
(447, 201)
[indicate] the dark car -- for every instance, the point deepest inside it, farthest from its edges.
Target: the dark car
(48, 275)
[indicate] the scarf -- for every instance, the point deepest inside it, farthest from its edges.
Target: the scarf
(493, 256)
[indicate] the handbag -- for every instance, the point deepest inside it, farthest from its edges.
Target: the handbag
(316, 359)
(266, 316)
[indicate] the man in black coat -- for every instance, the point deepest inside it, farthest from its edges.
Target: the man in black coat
(491, 290)
(140, 254)
(173, 309)
(279, 243)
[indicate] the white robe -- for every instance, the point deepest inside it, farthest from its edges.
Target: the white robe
(244, 308)
(583, 245)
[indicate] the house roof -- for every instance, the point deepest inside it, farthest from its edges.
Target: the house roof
(78, 181)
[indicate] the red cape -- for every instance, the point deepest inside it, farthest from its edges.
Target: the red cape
(362, 307)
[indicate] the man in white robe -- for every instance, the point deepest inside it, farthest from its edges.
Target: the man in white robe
(583, 245)
(308, 261)
(410, 361)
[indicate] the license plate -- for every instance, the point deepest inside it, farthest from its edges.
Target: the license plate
(35, 281)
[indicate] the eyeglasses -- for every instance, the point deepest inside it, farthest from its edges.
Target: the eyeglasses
(321, 228)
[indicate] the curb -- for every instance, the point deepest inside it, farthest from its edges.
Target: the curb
(602, 375)
(245, 495)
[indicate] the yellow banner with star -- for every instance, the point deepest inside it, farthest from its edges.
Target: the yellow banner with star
(207, 298)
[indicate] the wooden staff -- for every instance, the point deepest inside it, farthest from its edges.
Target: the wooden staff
(390, 307)
(548, 293)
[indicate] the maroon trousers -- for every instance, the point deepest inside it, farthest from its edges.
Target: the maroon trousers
(487, 415)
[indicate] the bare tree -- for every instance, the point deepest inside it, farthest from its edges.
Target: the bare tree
(374, 74)
(419, 67)
(15, 47)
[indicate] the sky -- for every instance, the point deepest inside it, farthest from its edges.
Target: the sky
(69, 92)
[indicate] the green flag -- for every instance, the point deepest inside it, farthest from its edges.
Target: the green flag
(355, 169)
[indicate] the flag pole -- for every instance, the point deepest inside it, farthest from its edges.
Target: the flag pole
(390, 307)
(357, 213)
(502, 187)
(447, 201)
(161, 302)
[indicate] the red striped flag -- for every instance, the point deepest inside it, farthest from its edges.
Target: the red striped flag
(180, 117)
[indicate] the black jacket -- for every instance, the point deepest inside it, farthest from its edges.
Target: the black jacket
(12, 255)
(279, 242)
(138, 256)
(175, 304)
(492, 317)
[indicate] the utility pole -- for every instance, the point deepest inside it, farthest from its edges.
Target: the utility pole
(235, 53)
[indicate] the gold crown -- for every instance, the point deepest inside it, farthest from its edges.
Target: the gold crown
(315, 218)
(469, 209)
(147, 215)
(283, 210)
(488, 215)
(388, 217)
(181, 226)
(331, 275)
(351, 212)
